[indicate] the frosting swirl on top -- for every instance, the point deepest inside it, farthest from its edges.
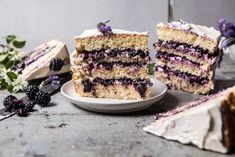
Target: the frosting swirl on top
(202, 31)
(95, 32)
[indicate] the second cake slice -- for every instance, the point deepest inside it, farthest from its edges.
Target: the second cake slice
(111, 65)
(186, 56)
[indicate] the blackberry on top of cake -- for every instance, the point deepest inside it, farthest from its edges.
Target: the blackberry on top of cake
(111, 63)
(186, 56)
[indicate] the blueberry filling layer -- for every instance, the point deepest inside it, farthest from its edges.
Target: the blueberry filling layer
(186, 76)
(175, 58)
(110, 65)
(184, 47)
(140, 85)
(32, 57)
(97, 55)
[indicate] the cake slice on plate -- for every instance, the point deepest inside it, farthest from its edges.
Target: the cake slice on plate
(50, 58)
(186, 56)
(207, 123)
(112, 65)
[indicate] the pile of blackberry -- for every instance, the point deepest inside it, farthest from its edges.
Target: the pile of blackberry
(12, 104)
(37, 96)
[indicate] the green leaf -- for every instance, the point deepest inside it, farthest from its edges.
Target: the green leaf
(10, 88)
(4, 62)
(3, 84)
(12, 76)
(2, 66)
(19, 44)
(10, 38)
(9, 64)
(3, 57)
(150, 68)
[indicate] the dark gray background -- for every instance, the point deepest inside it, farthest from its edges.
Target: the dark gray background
(38, 21)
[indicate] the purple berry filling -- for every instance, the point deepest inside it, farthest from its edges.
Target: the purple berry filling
(175, 58)
(32, 57)
(87, 85)
(194, 51)
(98, 55)
(192, 79)
(110, 65)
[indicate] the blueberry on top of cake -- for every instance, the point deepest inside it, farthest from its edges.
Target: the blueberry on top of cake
(50, 58)
(186, 56)
(111, 65)
(207, 123)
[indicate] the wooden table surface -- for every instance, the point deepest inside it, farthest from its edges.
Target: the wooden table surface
(62, 129)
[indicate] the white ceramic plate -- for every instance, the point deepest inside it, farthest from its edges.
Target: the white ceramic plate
(114, 105)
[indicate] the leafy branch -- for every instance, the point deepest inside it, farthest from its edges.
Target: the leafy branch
(9, 56)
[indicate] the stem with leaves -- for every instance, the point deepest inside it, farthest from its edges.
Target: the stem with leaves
(9, 56)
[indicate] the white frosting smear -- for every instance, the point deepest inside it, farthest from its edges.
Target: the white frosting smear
(203, 31)
(95, 32)
(201, 125)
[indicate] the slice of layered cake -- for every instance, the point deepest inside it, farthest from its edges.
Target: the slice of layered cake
(50, 58)
(186, 56)
(207, 123)
(112, 65)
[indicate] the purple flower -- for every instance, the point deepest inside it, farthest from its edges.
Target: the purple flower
(226, 28)
(103, 28)
(228, 33)
(227, 42)
(220, 23)
(51, 79)
(55, 82)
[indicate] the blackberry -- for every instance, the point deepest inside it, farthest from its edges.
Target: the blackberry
(22, 112)
(42, 98)
(56, 64)
(19, 104)
(108, 66)
(141, 88)
(87, 85)
(31, 91)
(8, 102)
(29, 106)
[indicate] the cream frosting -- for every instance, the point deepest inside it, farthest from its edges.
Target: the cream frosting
(40, 68)
(202, 31)
(95, 32)
(200, 125)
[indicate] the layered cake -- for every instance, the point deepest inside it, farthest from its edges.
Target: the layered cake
(186, 56)
(50, 58)
(112, 65)
(207, 123)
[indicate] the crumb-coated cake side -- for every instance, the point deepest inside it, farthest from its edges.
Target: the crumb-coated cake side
(186, 56)
(111, 65)
(214, 130)
(117, 72)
